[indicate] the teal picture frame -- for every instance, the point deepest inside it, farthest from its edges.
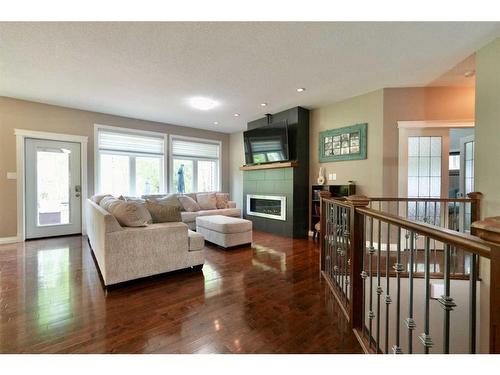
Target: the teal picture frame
(343, 144)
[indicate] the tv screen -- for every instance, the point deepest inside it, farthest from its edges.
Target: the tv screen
(267, 144)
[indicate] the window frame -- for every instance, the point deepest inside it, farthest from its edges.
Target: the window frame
(132, 156)
(195, 160)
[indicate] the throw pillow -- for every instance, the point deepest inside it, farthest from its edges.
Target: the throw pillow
(189, 204)
(207, 201)
(162, 213)
(106, 202)
(130, 214)
(98, 198)
(131, 199)
(169, 200)
(222, 199)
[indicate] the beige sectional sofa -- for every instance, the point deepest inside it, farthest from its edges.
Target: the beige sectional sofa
(124, 253)
(190, 217)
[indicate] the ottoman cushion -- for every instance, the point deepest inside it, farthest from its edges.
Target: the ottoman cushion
(224, 224)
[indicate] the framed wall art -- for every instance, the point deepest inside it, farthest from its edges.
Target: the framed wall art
(348, 143)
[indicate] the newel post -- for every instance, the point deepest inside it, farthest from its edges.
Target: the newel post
(489, 230)
(475, 205)
(357, 242)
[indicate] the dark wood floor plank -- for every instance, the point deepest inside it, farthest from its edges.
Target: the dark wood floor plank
(268, 298)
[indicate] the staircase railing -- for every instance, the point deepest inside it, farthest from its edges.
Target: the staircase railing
(379, 268)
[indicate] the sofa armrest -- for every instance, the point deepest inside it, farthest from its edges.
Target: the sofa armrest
(231, 204)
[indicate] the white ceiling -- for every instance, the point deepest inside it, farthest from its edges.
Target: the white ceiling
(150, 70)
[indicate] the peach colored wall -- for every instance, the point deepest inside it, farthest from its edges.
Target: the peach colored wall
(418, 103)
(48, 118)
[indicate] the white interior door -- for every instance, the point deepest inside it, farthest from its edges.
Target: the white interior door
(53, 188)
(466, 179)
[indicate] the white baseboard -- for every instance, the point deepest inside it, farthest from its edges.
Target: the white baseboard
(6, 240)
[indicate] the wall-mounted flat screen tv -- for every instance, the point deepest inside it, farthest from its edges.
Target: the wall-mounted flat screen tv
(267, 144)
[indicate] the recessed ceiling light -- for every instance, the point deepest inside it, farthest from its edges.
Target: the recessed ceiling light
(301, 89)
(236, 115)
(216, 122)
(263, 104)
(202, 103)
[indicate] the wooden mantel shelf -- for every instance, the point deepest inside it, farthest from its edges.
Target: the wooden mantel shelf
(288, 164)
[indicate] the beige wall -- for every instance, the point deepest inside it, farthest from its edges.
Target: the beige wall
(367, 173)
(418, 103)
(487, 156)
(236, 160)
(42, 117)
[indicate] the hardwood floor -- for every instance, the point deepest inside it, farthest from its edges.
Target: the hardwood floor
(265, 299)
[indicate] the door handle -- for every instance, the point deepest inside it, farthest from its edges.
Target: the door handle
(78, 190)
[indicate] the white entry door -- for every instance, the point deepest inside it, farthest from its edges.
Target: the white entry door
(53, 188)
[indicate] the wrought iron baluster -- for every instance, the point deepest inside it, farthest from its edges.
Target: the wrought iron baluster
(346, 251)
(364, 275)
(371, 315)
(398, 267)
(379, 287)
(446, 301)
(410, 322)
(472, 303)
(387, 288)
(425, 337)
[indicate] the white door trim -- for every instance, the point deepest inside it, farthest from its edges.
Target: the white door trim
(21, 135)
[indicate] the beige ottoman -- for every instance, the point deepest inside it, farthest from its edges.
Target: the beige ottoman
(224, 231)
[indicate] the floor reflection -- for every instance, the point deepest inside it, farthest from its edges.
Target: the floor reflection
(54, 297)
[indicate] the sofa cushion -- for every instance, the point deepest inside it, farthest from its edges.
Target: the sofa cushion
(235, 212)
(130, 214)
(163, 213)
(207, 201)
(221, 200)
(196, 241)
(189, 217)
(189, 204)
(224, 224)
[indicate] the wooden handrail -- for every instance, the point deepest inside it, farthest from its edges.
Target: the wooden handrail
(464, 241)
(405, 199)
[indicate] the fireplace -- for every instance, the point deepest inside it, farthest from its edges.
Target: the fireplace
(268, 206)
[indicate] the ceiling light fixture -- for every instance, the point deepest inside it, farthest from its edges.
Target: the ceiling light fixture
(263, 104)
(202, 103)
(301, 89)
(216, 122)
(236, 115)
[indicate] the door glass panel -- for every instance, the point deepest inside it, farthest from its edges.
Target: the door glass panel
(424, 167)
(53, 188)
(187, 172)
(469, 180)
(114, 174)
(148, 175)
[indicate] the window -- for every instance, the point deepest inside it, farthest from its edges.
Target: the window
(198, 162)
(129, 162)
